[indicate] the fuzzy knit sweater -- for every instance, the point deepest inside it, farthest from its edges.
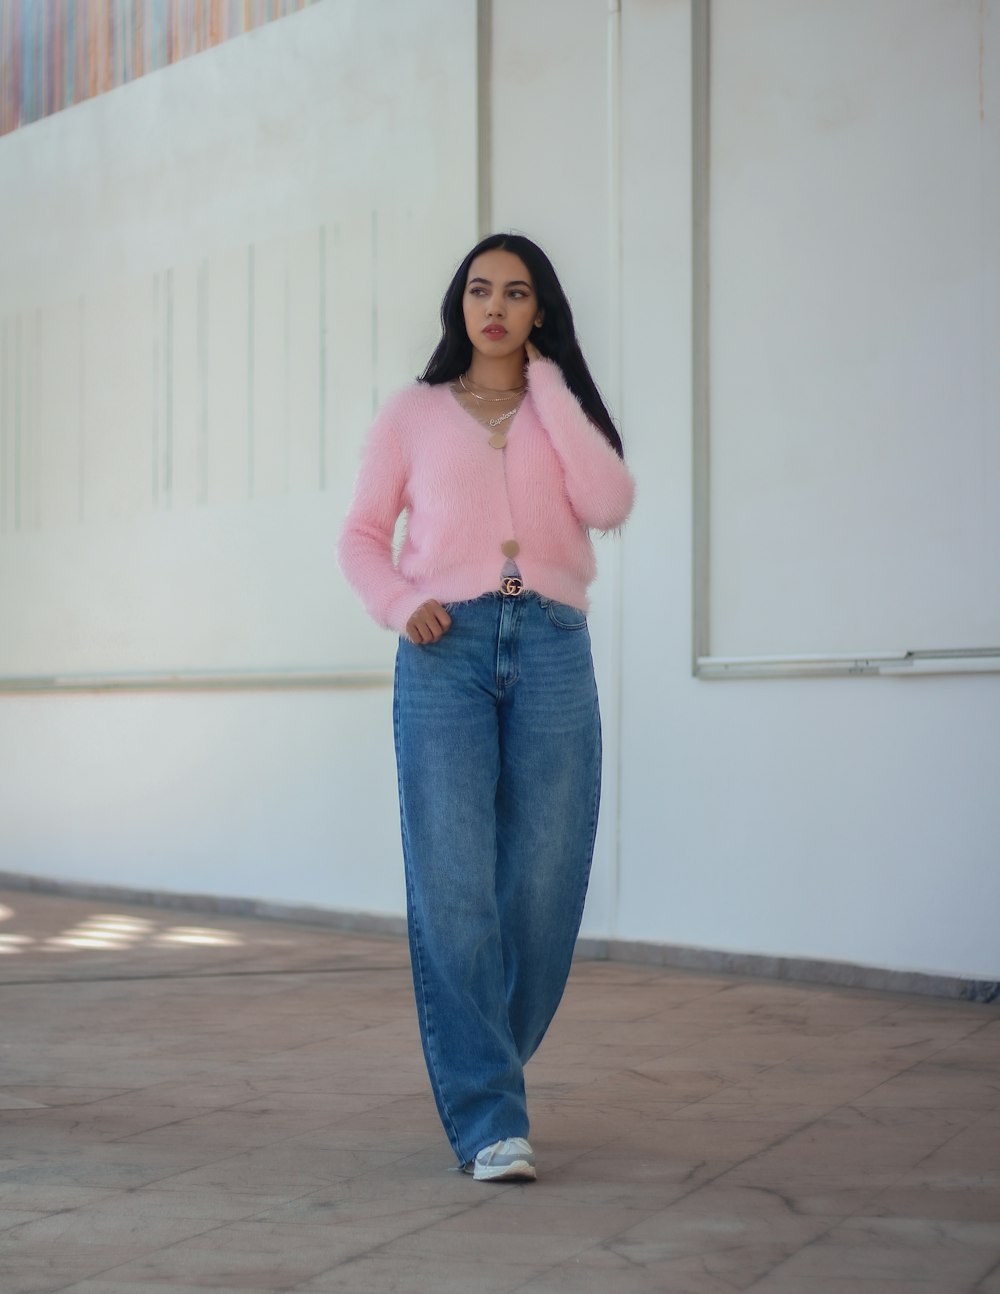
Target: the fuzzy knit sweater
(556, 479)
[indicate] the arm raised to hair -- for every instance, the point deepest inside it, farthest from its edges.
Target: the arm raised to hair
(364, 548)
(599, 486)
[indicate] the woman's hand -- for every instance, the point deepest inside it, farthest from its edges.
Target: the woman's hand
(532, 351)
(428, 623)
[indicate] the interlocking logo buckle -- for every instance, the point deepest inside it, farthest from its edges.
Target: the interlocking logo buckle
(511, 586)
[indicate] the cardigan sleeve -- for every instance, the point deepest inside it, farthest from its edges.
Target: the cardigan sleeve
(364, 549)
(599, 486)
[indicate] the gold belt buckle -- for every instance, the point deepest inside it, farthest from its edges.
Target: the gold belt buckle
(511, 586)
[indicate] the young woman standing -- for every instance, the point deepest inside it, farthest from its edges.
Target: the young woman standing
(503, 457)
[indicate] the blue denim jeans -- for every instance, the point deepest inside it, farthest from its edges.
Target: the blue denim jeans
(498, 750)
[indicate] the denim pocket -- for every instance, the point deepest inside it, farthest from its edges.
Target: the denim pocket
(562, 615)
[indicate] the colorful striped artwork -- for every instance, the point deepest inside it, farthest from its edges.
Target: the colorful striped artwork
(54, 53)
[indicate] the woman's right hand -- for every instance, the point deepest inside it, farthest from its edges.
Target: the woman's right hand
(428, 623)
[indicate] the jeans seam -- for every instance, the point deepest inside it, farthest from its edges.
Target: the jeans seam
(424, 1002)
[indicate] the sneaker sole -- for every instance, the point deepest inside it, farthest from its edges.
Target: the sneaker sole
(519, 1171)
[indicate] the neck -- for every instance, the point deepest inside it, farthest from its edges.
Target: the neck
(500, 374)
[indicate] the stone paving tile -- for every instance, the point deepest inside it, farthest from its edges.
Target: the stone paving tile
(47, 1268)
(101, 1286)
(901, 1249)
(248, 1268)
(137, 1226)
(933, 1083)
(484, 1247)
(279, 1172)
(990, 1283)
(773, 1284)
(380, 1274)
(96, 1168)
(174, 1121)
(17, 1217)
(610, 1268)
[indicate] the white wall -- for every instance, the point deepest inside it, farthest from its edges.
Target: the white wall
(850, 819)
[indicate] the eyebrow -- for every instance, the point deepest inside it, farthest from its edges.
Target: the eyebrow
(511, 283)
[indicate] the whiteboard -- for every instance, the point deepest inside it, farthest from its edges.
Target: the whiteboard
(211, 278)
(853, 340)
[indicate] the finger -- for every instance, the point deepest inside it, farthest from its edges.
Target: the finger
(437, 627)
(440, 617)
(425, 627)
(414, 630)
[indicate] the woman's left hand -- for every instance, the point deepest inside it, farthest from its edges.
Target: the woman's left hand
(532, 351)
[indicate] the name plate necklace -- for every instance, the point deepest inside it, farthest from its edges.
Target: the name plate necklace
(499, 438)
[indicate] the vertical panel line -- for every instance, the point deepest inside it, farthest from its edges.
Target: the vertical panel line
(81, 408)
(250, 371)
(287, 364)
(484, 116)
(203, 381)
(615, 262)
(154, 466)
(18, 372)
(168, 387)
(37, 457)
(700, 285)
(322, 356)
(4, 399)
(374, 292)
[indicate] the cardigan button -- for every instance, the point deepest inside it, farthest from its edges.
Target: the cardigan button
(499, 440)
(510, 548)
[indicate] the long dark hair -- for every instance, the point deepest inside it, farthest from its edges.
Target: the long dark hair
(556, 338)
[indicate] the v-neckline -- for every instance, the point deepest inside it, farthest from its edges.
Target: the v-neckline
(489, 431)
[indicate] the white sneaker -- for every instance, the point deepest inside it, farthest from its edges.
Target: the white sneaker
(511, 1160)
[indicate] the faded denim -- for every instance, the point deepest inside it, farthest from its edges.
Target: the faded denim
(498, 750)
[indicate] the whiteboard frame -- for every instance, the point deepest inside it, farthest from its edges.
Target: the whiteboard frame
(201, 680)
(704, 665)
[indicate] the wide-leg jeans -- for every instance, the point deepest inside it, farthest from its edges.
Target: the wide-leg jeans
(498, 749)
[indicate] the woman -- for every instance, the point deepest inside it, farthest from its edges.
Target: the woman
(503, 456)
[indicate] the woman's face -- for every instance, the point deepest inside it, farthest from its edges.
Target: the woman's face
(500, 304)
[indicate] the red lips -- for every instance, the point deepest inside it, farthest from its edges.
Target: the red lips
(495, 330)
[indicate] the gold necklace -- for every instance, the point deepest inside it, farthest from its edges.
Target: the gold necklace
(491, 399)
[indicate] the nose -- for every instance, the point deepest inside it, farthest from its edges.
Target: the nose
(494, 306)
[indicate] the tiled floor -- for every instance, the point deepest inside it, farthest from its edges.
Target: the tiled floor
(194, 1103)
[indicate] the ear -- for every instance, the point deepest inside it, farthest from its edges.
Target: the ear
(539, 318)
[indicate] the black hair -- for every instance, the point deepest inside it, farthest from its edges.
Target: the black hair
(555, 338)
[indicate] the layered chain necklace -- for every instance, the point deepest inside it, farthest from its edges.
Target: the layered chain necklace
(499, 439)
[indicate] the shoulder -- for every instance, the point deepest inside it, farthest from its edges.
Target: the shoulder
(412, 401)
(402, 416)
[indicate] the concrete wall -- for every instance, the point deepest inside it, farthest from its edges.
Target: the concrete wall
(842, 818)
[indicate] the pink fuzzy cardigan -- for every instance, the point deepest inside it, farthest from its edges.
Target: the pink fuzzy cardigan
(557, 478)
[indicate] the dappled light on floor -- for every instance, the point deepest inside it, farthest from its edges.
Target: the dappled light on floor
(111, 930)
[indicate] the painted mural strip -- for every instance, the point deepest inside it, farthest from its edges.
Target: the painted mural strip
(55, 53)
